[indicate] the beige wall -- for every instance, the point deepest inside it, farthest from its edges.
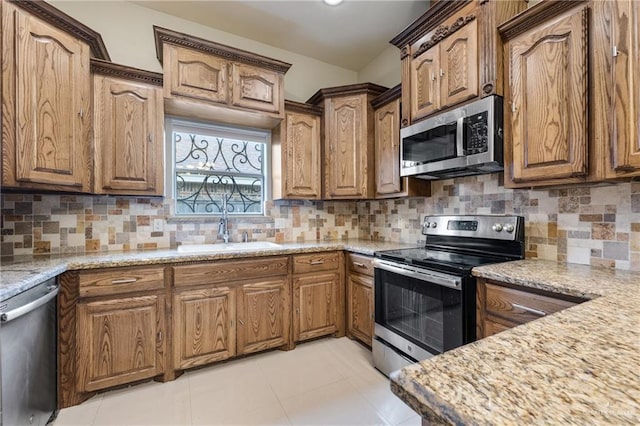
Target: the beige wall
(384, 70)
(127, 30)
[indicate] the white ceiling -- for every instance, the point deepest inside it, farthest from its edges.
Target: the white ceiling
(349, 35)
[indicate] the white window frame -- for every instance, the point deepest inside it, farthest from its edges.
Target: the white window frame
(220, 130)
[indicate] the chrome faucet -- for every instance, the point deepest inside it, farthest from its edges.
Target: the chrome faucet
(223, 228)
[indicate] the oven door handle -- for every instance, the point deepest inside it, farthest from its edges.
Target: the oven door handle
(420, 274)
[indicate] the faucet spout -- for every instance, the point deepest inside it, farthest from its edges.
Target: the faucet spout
(223, 228)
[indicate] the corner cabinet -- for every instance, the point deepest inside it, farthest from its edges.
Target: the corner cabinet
(389, 183)
(452, 53)
(318, 295)
(212, 81)
(348, 140)
(46, 104)
(128, 136)
(297, 153)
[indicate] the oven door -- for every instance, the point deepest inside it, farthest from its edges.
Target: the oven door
(420, 306)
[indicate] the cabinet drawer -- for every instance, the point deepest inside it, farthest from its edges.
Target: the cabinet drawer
(360, 264)
(521, 306)
(120, 280)
(225, 271)
(316, 262)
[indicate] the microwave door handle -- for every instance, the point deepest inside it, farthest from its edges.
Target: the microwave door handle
(460, 137)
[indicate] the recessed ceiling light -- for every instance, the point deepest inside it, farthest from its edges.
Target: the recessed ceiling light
(332, 2)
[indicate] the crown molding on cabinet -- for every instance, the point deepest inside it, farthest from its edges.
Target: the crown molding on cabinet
(386, 97)
(351, 89)
(302, 108)
(128, 73)
(534, 15)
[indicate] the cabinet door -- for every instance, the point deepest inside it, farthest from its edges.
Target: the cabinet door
(257, 88)
(203, 326)
(50, 110)
(425, 84)
(346, 140)
(387, 133)
(302, 156)
(548, 84)
(315, 305)
(119, 341)
(626, 122)
(128, 137)
(195, 75)
(263, 315)
(459, 65)
(360, 307)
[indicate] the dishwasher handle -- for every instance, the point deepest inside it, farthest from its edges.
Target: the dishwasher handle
(31, 306)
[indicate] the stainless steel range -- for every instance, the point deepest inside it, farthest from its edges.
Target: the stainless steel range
(425, 302)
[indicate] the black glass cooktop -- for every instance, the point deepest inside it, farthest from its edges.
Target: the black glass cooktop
(439, 259)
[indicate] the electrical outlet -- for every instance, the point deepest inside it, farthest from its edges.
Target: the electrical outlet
(158, 225)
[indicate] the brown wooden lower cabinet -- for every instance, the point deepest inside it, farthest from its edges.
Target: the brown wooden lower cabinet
(315, 305)
(203, 326)
(501, 306)
(263, 313)
(360, 301)
(119, 341)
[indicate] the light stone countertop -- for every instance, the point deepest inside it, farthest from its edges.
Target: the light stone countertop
(20, 273)
(579, 366)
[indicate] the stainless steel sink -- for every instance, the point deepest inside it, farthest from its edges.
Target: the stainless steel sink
(213, 248)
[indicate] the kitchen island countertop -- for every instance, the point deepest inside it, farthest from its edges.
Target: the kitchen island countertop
(577, 366)
(20, 273)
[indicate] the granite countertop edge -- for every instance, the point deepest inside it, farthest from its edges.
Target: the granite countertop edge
(20, 273)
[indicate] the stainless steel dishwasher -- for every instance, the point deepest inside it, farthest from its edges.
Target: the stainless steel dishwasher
(28, 356)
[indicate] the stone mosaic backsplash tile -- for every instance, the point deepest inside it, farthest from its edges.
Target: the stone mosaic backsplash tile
(596, 225)
(592, 225)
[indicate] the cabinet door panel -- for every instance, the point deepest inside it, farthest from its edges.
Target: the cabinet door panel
(360, 307)
(346, 166)
(315, 306)
(119, 341)
(263, 315)
(387, 133)
(203, 326)
(625, 139)
(128, 136)
(425, 96)
(256, 88)
(196, 75)
(459, 63)
(549, 125)
(302, 154)
(51, 105)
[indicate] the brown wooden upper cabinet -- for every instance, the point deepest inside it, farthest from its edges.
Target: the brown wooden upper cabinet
(207, 80)
(46, 98)
(128, 138)
(389, 183)
(296, 153)
(452, 53)
(349, 145)
(571, 103)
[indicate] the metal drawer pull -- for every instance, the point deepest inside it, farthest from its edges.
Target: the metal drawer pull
(316, 262)
(358, 264)
(241, 322)
(124, 281)
(530, 310)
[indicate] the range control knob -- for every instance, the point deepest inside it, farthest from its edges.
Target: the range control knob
(497, 227)
(509, 228)
(427, 225)
(434, 224)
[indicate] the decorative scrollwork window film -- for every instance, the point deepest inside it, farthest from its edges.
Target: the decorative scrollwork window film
(212, 162)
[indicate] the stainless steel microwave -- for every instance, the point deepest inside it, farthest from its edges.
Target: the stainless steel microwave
(460, 142)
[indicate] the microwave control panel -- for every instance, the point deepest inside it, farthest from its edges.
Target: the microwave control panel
(476, 135)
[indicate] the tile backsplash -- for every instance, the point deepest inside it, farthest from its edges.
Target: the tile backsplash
(597, 225)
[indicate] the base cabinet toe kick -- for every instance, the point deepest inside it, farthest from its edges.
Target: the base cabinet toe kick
(123, 325)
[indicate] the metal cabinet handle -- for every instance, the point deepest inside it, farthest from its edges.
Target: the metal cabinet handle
(159, 335)
(124, 281)
(530, 310)
(81, 113)
(441, 72)
(150, 138)
(241, 322)
(433, 76)
(358, 264)
(316, 262)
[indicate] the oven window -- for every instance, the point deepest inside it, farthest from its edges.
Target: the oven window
(432, 145)
(427, 314)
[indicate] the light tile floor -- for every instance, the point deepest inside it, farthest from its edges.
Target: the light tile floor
(325, 382)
